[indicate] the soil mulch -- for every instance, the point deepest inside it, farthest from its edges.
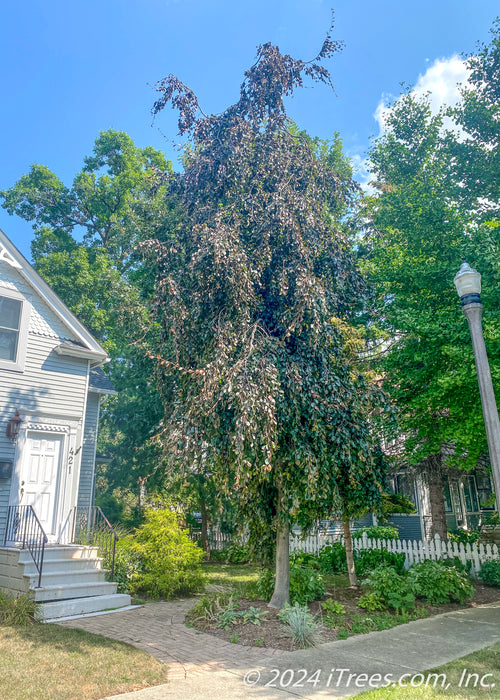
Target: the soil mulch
(275, 634)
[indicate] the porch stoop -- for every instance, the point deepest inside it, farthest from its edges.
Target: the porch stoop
(73, 582)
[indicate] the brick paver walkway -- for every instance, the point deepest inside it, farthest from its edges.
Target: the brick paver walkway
(159, 629)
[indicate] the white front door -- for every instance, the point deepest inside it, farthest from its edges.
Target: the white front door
(40, 477)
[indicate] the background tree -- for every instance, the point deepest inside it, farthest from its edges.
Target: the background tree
(251, 300)
(85, 238)
(423, 221)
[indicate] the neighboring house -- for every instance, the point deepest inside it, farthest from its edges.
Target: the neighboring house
(51, 385)
(464, 498)
(467, 501)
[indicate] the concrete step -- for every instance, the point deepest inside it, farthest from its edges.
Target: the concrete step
(64, 577)
(81, 606)
(70, 551)
(74, 590)
(64, 565)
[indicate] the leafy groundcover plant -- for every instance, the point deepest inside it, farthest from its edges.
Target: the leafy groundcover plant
(437, 583)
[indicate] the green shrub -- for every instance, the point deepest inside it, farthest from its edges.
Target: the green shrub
(301, 623)
(170, 562)
(237, 554)
(394, 590)
(378, 532)
(457, 564)
(128, 564)
(464, 536)
(18, 610)
(371, 602)
(437, 583)
(332, 559)
(305, 559)
(265, 584)
(490, 572)
(217, 555)
(369, 559)
(306, 584)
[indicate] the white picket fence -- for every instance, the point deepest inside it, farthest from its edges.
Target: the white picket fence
(414, 551)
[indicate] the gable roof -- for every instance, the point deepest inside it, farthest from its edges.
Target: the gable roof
(86, 344)
(100, 383)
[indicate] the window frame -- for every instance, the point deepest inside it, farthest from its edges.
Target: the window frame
(18, 364)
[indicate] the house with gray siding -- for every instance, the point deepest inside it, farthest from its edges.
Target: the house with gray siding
(51, 387)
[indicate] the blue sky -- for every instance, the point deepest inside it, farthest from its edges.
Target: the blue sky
(72, 69)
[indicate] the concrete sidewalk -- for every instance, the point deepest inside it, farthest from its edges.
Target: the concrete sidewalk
(310, 673)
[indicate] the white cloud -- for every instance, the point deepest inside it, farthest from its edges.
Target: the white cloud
(361, 173)
(441, 82)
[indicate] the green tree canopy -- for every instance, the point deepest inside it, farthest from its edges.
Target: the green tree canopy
(430, 210)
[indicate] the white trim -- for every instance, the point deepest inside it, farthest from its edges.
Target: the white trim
(104, 392)
(66, 490)
(5, 256)
(20, 467)
(82, 353)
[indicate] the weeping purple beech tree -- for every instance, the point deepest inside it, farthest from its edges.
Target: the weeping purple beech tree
(253, 302)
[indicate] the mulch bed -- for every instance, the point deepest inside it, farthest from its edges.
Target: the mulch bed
(274, 634)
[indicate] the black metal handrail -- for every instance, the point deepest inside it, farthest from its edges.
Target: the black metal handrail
(92, 528)
(25, 530)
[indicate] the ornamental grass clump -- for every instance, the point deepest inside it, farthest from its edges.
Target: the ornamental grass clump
(18, 610)
(303, 627)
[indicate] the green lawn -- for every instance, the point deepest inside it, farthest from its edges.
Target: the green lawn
(486, 661)
(230, 574)
(45, 661)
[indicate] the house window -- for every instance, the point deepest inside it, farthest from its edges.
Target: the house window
(14, 315)
(10, 327)
(485, 491)
(405, 485)
(470, 494)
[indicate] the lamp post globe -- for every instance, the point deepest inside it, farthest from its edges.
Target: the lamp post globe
(468, 284)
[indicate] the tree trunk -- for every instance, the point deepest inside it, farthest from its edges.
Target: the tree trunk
(281, 595)
(204, 530)
(434, 478)
(141, 500)
(351, 569)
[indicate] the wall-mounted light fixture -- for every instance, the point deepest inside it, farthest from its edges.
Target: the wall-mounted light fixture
(13, 426)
